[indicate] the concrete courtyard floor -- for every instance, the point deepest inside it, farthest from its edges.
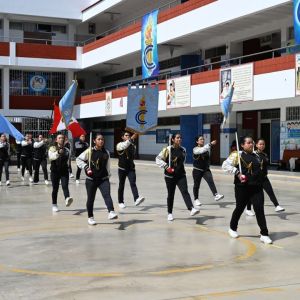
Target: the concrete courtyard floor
(140, 255)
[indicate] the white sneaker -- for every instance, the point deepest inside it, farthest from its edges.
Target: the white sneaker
(30, 179)
(170, 217)
(46, 182)
(218, 197)
(7, 182)
(0, 183)
(112, 215)
(233, 233)
(249, 213)
(278, 208)
(22, 178)
(71, 175)
(197, 202)
(194, 211)
(19, 170)
(91, 221)
(54, 208)
(77, 181)
(122, 205)
(265, 239)
(26, 172)
(69, 201)
(139, 200)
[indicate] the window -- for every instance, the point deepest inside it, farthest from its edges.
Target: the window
(270, 114)
(214, 52)
(293, 113)
(15, 25)
(59, 28)
(212, 118)
(117, 76)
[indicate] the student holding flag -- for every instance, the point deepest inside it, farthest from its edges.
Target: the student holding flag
(248, 180)
(96, 163)
(4, 157)
(172, 159)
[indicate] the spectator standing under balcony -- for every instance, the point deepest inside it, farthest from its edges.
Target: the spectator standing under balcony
(4, 157)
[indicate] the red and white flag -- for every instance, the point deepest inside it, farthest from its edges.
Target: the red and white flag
(59, 125)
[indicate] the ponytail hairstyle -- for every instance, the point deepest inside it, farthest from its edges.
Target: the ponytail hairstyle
(174, 135)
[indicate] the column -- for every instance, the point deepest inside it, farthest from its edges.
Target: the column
(5, 90)
(5, 29)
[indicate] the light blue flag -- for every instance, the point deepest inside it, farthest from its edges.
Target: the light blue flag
(142, 108)
(7, 127)
(226, 105)
(150, 63)
(66, 103)
(296, 14)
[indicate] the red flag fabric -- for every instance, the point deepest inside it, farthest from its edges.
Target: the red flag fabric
(59, 125)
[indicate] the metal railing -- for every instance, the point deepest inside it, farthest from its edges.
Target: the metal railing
(130, 22)
(201, 68)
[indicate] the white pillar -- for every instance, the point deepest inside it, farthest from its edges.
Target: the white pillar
(5, 90)
(284, 36)
(71, 33)
(69, 78)
(5, 23)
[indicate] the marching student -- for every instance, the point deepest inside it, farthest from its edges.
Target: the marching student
(18, 152)
(260, 147)
(201, 169)
(96, 163)
(4, 157)
(172, 159)
(59, 156)
(40, 159)
(126, 151)
(80, 147)
(248, 186)
(26, 156)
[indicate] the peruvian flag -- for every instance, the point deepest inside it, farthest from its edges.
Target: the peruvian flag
(59, 125)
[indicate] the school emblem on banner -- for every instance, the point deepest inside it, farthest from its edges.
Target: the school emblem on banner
(296, 14)
(150, 63)
(142, 108)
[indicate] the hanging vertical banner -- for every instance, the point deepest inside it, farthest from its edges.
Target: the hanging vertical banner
(150, 64)
(297, 21)
(142, 108)
(108, 104)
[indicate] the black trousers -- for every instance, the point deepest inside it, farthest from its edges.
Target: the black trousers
(64, 179)
(36, 164)
(249, 194)
(269, 190)
(26, 164)
(5, 164)
(132, 180)
(70, 166)
(91, 189)
(18, 160)
(181, 182)
(207, 175)
(78, 172)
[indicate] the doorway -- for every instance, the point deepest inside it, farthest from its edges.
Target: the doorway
(215, 135)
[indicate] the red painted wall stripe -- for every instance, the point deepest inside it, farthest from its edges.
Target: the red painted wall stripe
(32, 102)
(4, 49)
(162, 17)
(45, 51)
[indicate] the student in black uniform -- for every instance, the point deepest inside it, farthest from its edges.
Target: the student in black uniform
(80, 147)
(18, 152)
(98, 174)
(126, 152)
(4, 157)
(59, 156)
(26, 156)
(175, 174)
(260, 147)
(201, 169)
(248, 187)
(40, 159)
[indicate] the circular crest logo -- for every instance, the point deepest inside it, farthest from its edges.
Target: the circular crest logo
(38, 83)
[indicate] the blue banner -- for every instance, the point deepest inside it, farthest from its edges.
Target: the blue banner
(297, 21)
(7, 127)
(150, 63)
(142, 108)
(226, 104)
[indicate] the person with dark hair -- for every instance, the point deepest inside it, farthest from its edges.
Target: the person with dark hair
(4, 157)
(96, 163)
(172, 159)
(40, 159)
(126, 151)
(26, 156)
(248, 187)
(80, 147)
(201, 169)
(59, 156)
(260, 147)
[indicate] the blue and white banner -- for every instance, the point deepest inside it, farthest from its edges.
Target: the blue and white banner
(150, 63)
(37, 83)
(297, 21)
(142, 108)
(226, 104)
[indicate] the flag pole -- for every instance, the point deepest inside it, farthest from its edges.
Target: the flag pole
(170, 145)
(238, 152)
(90, 154)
